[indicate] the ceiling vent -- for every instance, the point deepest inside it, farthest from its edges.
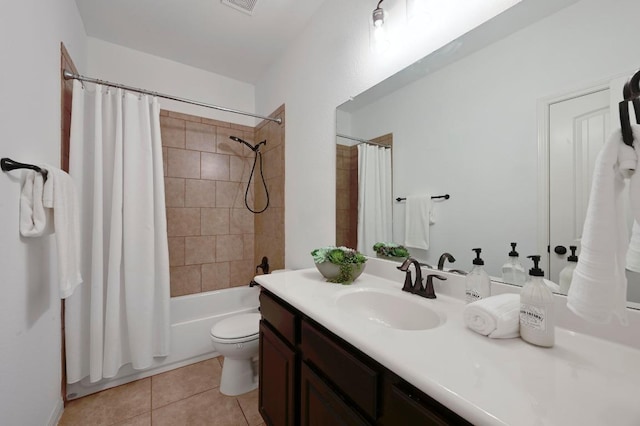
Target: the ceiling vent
(245, 6)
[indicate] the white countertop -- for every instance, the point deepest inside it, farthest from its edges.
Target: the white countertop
(582, 380)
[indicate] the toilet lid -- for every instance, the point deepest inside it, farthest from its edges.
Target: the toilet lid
(237, 326)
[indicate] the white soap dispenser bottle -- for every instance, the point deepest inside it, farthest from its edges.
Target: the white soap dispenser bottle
(513, 271)
(566, 275)
(537, 316)
(477, 282)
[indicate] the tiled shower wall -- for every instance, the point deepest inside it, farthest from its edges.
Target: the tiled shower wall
(211, 233)
(346, 195)
(269, 226)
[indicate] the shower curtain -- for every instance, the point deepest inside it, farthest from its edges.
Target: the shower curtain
(120, 314)
(374, 197)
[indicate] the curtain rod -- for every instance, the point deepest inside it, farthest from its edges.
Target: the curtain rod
(340, 135)
(69, 75)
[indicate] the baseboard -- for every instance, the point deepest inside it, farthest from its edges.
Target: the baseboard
(56, 414)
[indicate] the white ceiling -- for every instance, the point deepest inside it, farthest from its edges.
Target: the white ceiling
(202, 33)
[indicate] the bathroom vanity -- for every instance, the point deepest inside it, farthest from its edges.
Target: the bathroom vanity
(309, 373)
(369, 353)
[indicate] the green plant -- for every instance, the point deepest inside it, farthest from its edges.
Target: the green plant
(343, 257)
(390, 250)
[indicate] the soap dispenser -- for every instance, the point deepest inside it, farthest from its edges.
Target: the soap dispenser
(513, 271)
(477, 282)
(566, 275)
(537, 317)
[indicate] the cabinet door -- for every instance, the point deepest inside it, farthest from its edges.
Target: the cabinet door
(277, 381)
(320, 405)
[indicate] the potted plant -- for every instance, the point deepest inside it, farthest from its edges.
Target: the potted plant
(391, 251)
(339, 264)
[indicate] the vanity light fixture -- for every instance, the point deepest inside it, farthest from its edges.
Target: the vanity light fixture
(379, 37)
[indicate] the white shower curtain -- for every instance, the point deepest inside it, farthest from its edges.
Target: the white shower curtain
(120, 314)
(374, 197)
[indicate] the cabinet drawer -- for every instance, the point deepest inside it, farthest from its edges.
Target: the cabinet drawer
(354, 378)
(278, 316)
(409, 406)
(320, 405)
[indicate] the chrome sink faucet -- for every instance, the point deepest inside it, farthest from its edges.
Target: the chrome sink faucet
(416, 286)
(443, 257)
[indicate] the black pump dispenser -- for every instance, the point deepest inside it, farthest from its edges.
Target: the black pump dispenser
(513, 252)
(573, 257)
(478, 260)
(535, 271)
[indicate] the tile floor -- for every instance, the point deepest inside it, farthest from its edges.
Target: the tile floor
(186, 396)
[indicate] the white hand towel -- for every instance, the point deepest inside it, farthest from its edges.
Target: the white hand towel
(417, 219)
(633, 253)
(497, 316)
(598, 290)
(60, 195)
(33, 219)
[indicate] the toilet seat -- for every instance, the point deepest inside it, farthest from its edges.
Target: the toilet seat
(237, 328)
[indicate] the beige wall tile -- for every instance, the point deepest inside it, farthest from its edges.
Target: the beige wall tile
(241, 127)
(241, 221)
(172, 132)
(176, 251)
(241, 272)
(186, 117)
(215, 166)
(184, 382)
(183, 163)
(198, 250)
(276, 191)
(185, 280)
(249, 246)
(240, 169)
(200, 193)
(229, 247)
(174, 192)
(200, 137)
(206, 408)
(216, 123)
(228, 193)
(273, 161)
(182, 222)
(109, 406)
(165, 163)
(215, 221)
(215, 276)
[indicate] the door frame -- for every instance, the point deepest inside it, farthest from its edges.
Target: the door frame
(543, 108)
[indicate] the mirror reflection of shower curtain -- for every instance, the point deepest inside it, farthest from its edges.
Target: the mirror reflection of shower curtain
(374, 197)
(120, 314)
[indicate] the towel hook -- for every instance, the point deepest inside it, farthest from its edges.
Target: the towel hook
(7, 164)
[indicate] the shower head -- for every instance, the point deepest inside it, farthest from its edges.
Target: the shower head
(251, 147)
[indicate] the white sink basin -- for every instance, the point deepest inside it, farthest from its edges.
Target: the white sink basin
(392, 310)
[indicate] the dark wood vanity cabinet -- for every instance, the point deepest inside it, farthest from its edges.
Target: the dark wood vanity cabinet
(309, 376)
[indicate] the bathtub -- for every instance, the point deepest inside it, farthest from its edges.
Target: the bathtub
(192, 317)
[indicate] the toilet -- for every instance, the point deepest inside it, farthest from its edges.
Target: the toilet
(236, 339)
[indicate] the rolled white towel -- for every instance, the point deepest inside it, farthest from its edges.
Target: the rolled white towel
(497, 316)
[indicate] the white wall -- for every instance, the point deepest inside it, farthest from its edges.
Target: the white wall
(111, 62)
(329, 62)
(470, 129)
(30, 347)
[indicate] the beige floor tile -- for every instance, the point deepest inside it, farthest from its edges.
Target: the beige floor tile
(249, 405)
(141, 420)
(110, 406)
(184, 382)
(209, 408)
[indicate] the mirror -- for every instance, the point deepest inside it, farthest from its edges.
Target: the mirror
(473, 120)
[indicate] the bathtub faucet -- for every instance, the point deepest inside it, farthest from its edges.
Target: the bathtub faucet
(264, 265)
